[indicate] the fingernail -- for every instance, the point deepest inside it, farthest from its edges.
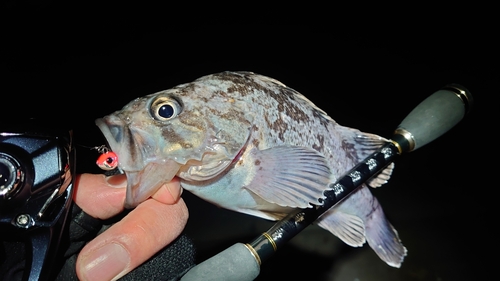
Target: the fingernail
(174, 192)
(106, 262)
(118, 181)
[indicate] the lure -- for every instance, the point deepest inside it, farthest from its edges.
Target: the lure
(108, 160)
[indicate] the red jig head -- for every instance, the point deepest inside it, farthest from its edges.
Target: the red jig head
(108, 160)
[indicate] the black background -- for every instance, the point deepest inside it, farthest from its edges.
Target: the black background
(77, 62)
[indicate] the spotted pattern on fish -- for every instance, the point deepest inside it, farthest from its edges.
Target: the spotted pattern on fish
(321, 140)
(249, 143)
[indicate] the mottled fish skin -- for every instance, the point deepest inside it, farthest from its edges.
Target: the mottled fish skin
(248, 143)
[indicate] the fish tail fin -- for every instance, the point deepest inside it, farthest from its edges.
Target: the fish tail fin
(383, 238)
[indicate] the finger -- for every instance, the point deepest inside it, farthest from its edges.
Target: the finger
(100, 196)
(169, 193)
(143, 232)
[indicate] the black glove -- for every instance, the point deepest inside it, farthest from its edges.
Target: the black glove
(169, 264)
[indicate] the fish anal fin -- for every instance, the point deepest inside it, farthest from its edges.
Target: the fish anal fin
(348, 228)
(382, 177)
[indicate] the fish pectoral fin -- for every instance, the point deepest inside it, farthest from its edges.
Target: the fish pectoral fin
(382, 177)
(288, 175)
(348, 228)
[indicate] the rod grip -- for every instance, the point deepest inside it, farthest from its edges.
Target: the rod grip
(235, 263)
(433, 117)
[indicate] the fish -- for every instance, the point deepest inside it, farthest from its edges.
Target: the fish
(248, 143)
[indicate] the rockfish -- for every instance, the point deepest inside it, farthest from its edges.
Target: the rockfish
(248, 143)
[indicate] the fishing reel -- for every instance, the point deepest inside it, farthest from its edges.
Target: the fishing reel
(36, 187)
(41, 229)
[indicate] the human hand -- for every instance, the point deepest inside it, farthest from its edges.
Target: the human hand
(139, 235)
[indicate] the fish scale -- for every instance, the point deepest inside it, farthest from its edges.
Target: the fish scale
(248, 143)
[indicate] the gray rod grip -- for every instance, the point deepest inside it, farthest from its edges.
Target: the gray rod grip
(236, 263)
(433, 117)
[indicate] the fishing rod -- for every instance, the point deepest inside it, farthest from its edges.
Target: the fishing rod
(429, 120)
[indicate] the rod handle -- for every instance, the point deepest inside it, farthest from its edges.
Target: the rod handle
(433, 117)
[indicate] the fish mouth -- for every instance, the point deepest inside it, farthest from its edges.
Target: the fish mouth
(123, 142)
(144, 177)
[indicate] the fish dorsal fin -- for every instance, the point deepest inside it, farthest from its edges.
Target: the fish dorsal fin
(360, 145)
(289, 176)
(348, 228)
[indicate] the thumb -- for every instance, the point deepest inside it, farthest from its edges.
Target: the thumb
(127, 244)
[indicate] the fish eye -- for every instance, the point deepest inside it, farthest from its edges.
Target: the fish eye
(165, 108)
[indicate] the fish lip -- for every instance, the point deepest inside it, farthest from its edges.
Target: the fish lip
(112, 132)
